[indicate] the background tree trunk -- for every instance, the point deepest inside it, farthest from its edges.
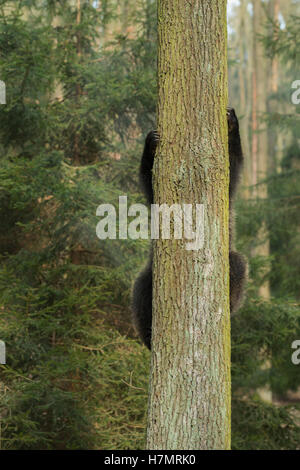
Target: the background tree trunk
(260, 151)
(245, 60)
(189, 403)
(260, 135)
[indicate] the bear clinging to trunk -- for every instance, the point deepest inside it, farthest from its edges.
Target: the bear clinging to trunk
(142, 291)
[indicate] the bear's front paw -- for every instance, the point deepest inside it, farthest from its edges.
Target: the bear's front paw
(233, 124)
(152, 141)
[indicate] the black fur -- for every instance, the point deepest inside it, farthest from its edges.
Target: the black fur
(142, 291)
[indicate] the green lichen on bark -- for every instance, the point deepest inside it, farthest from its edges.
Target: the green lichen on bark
(189, 401)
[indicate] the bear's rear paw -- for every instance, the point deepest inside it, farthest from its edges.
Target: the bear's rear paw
(233, 124)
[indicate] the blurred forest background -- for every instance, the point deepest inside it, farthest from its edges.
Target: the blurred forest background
(81, 95)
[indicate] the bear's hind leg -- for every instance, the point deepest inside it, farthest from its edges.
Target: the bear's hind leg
(142, 304)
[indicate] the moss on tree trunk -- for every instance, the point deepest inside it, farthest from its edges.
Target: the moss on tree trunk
(189, 402)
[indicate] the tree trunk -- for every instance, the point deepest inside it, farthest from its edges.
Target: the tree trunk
(273, 89)
(260, 150)
(189, 402)
(245, 61)
(260, 136)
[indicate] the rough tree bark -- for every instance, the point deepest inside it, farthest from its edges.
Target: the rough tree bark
(189, 401)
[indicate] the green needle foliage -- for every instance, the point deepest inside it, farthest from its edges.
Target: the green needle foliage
(64, 293)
